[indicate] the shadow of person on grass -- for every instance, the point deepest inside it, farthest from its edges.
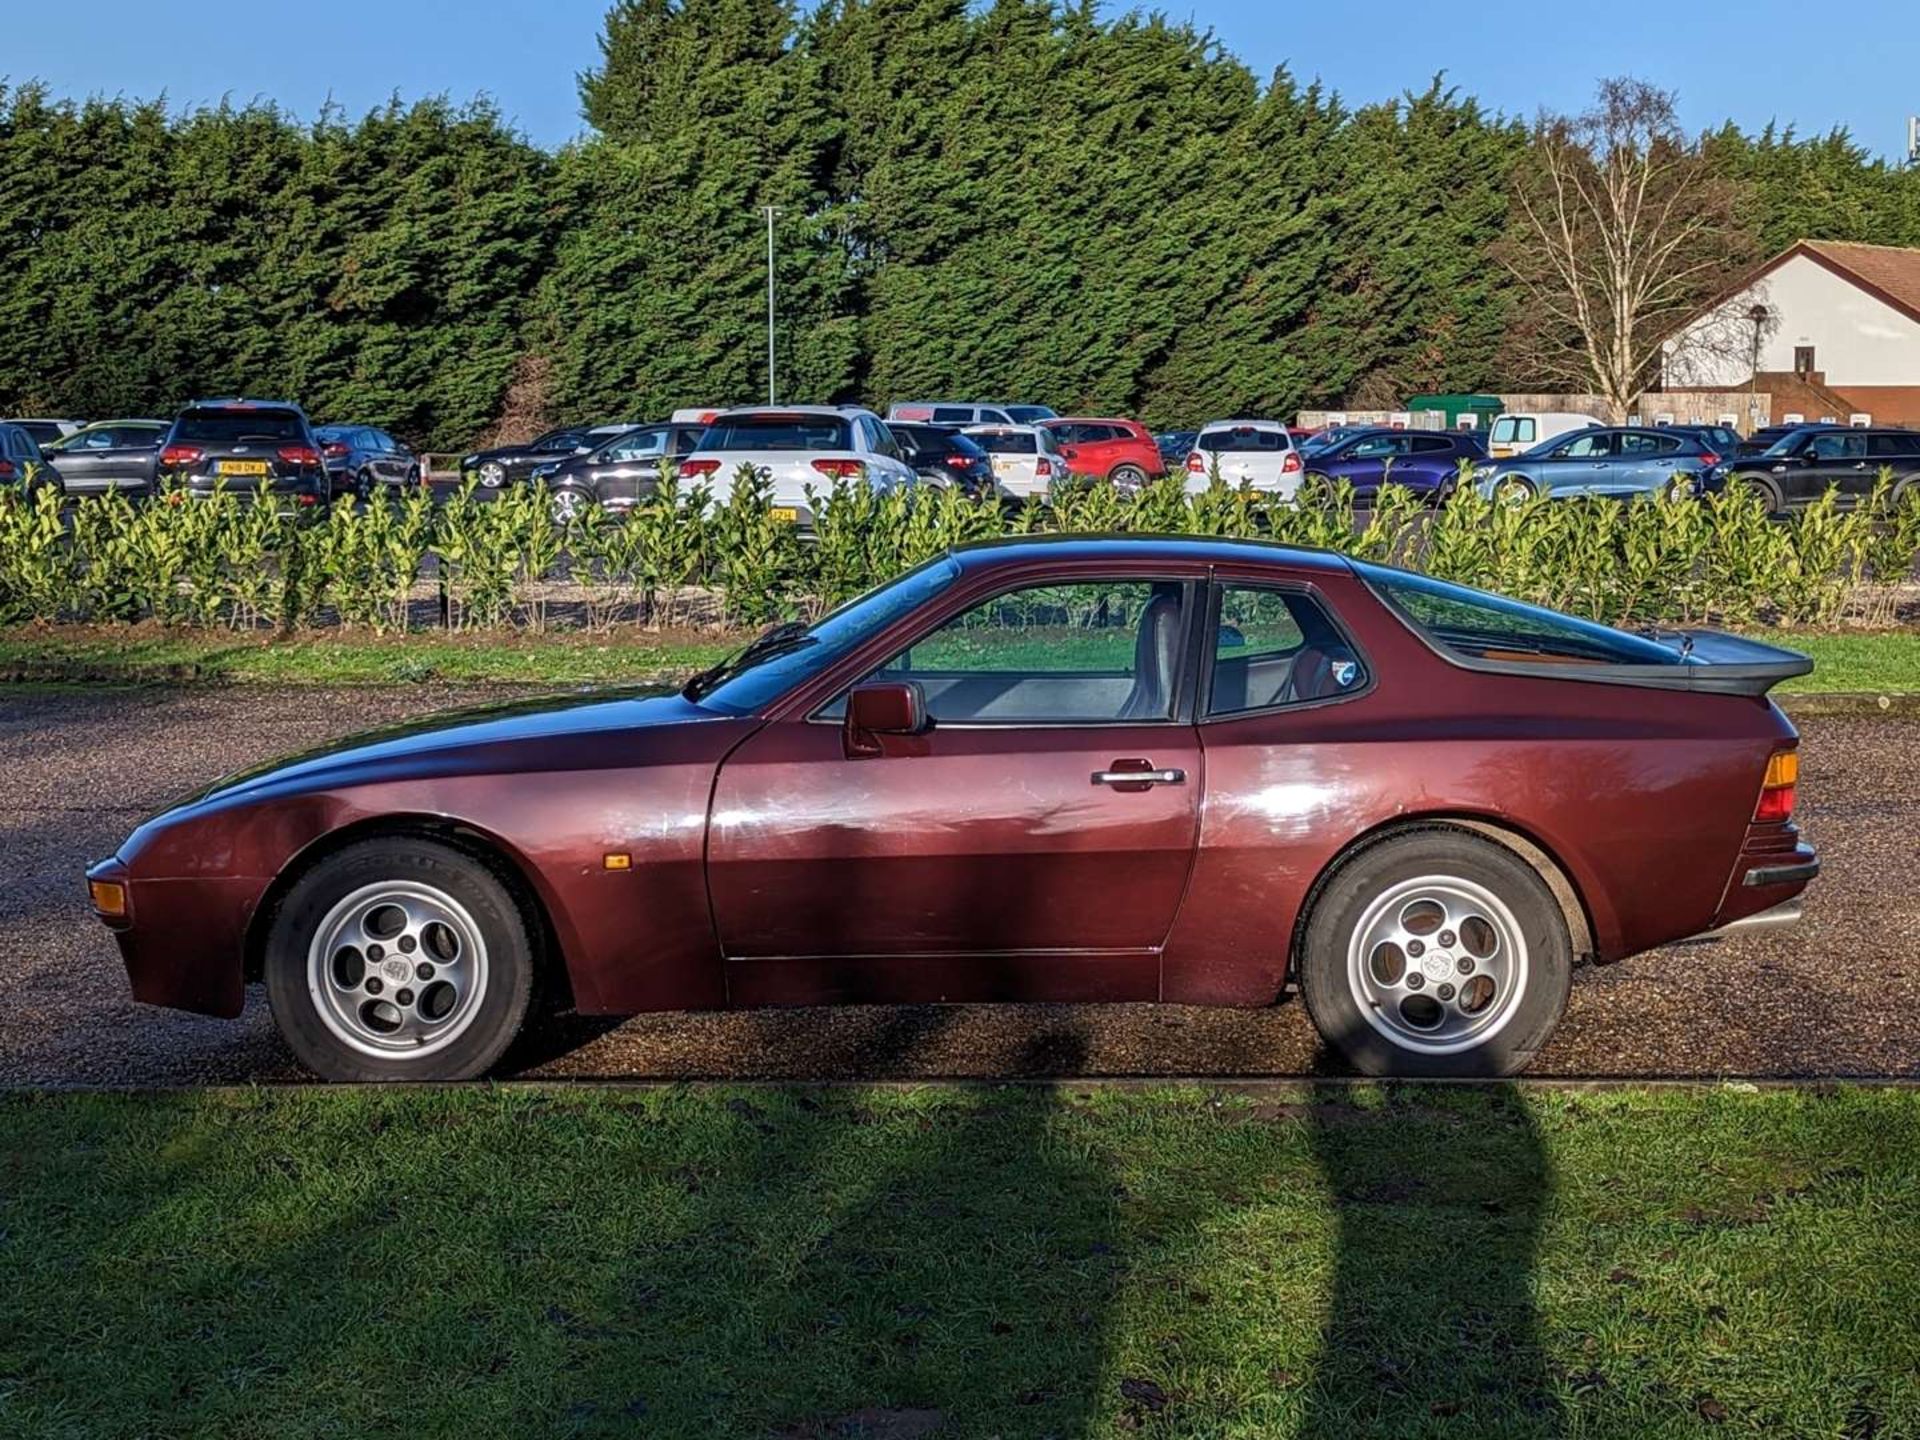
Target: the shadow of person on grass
(1439, 1197)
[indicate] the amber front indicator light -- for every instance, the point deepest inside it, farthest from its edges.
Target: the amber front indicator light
(1776, 792)
(109, 897)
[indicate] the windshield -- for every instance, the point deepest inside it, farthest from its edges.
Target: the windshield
(1477, 625)
(1028, 414)
(228, 427)
(835, 635)
(778, 432)
(1787, 443)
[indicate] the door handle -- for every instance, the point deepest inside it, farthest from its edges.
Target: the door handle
(1142, 778)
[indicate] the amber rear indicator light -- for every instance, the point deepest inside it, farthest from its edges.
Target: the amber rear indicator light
(1777, 790)
(109, 897)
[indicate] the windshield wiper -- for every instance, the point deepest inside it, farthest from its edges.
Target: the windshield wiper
(790, 635)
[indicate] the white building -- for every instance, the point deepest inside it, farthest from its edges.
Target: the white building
(1824, 328)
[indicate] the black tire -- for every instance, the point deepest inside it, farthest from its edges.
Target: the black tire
(1768, 492)
(1403, 864)
(498, 1006)
(1517, 488)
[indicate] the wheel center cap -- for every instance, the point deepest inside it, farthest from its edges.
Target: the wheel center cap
(1436, 965)
(396, 970)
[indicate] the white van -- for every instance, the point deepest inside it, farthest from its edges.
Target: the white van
(1517, 430)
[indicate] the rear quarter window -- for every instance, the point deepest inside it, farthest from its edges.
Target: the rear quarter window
(1474, 625)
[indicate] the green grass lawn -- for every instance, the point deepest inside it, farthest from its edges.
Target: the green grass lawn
(708, 1261)
(1876, 662)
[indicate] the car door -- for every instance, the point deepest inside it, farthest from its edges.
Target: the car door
(1429, 463)
(1578, 462)
(1362, 463)
(1645, 461)
(1004, 853)
(1834, 460)
(628, 469)
(84, 461)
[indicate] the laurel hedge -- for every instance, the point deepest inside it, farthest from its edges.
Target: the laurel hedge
(679, 558)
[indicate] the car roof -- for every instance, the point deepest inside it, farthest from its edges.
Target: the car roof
(1243, 425)
(240, 402)
(844, 412)
(1088, 420)
(1133, 549)
(1010, 427)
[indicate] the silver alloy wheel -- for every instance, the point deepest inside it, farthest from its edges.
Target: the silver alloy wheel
(493, 474)
(397, 969)
(566, 505)
(1437, 964)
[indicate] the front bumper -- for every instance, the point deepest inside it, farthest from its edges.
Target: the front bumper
(182, 941)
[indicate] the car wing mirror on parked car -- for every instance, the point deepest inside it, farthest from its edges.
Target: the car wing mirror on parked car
(884, 707)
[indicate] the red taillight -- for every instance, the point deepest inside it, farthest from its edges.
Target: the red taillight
(960, 462)
(694, 469)
(1043, 468)
(1196, 464)
(839, 469)
(299, 454)
(334, 450)
(1776, 790)
(308, 500)
(1709, 459)
(1291, 465)
(6, 469)
(175, 456)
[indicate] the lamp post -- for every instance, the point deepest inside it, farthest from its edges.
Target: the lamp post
(770, 211)
(1757, 317)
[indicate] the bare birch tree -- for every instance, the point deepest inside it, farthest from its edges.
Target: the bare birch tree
(1621, 229)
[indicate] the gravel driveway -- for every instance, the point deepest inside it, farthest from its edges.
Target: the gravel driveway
(1837, 995)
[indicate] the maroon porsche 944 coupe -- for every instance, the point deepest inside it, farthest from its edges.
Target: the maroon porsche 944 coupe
(1072, 769)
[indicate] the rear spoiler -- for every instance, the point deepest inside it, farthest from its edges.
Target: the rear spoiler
(1725, 664)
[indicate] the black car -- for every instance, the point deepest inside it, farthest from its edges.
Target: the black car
(1722, 440)
(1768, 436)
(944, 456)
(44, 432)
(21, 462)
(359, 457)
(617, 471)
(242, 445)
(1810, 460)
(108, 455)
(507, 463)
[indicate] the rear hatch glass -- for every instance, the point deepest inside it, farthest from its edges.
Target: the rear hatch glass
(1476, 625)
(778, 432)
(239, 427)
(1243, 438)
(1007, 443)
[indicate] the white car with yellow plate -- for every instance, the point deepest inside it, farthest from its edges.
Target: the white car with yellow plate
(794, 448)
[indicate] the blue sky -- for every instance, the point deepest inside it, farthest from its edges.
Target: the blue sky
(1515, 57)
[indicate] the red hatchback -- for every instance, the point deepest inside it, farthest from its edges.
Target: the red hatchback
(1071, 769)
(1122, 451)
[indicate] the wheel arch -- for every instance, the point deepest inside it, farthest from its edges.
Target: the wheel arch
(477, 844)
(1552, 871)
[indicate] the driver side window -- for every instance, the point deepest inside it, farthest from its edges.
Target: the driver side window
(1094, 652)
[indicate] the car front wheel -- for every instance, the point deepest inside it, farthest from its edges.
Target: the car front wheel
(399, 959)
(1436, 953)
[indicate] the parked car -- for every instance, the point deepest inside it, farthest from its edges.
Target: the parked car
(1620, 461)
(618, 471)
(242, 445)
(1122, 451)
(1257, 453)
(1520, 430)
(360, 457)
(1174, 447)
(1427, 462)
(984, 781)
(1809, 461)
(505, 464)
(45, 432)
(797, 447)
(1329, 436)
(108, 455)
(1723, 440)
(21, 462)
(1768, 436)
(1026, 459)
(965, 412)
(944, 457)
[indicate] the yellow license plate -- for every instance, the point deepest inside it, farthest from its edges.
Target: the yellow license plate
(243, 467)
(786, 513)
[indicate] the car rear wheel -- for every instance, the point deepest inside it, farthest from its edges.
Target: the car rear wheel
(1436, 953)
(399, 959)
(1128, 477)
(1763, 490)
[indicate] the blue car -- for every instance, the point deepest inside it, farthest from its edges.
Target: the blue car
(1427, 462)
(1616, 460)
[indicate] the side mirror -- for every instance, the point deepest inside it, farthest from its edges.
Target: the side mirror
(1069, 452)
(888, 707)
